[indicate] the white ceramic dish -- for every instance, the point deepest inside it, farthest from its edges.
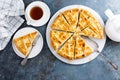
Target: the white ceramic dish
(36, 49)
(101, 42)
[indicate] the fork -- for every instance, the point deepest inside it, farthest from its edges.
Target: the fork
(115, 66)
(24, 61)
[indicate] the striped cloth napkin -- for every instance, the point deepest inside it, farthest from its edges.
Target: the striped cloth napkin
(10, 20)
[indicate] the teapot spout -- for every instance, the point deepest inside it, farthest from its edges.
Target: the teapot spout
(109, 13)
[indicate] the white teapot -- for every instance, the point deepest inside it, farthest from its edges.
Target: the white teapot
(112, 27)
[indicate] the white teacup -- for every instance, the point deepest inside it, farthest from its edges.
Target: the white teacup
(112, 27)
(43, 19)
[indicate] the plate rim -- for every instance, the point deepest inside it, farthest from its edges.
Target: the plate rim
(14, 47)
(73, 62)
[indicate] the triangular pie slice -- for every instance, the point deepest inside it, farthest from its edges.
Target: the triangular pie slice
(67, 50)
(72, 17)
(82, 24)
(60, 23)
(87, 50)
(86, 16)
(24, 43)
(89, 33)
(86, 19)
(58, 38)
(93, 23)
(82, 49)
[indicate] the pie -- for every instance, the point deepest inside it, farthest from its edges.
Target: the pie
(67, 50)
(60, 23)
(66, 21)
(82, 49)
(24, 43)
(58, 38)
(89, 33)
(66, 31)
(89, 24)
(72, 18)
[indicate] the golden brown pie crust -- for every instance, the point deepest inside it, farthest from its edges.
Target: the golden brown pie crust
(58, 38)
(24, 43)
(81, 49)
(70, 45)
(67, 50)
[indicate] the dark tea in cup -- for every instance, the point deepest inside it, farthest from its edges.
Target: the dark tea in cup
(36, 13)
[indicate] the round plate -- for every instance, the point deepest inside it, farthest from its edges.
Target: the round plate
(36, 49)
(101, 42)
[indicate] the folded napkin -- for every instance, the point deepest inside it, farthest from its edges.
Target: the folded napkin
(10, 20)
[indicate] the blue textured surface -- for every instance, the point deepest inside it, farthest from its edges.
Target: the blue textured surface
(47, 67)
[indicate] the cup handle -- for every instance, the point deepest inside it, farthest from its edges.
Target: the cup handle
(28, 22)
(109, 13)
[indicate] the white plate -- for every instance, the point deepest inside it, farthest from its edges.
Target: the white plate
(101, 42)
(36, 49)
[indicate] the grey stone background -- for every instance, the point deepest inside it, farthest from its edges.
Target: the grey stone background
(47, 67)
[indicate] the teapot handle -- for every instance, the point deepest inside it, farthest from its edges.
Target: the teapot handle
(109, 13)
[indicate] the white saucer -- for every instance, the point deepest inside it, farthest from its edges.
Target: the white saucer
(43, 20)
(36, 49)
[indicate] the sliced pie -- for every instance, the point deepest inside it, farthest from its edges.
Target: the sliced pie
(24, 43)
(58, 38)
(60, 23)
(67, 50)
(72, 18)
(82, 49)
(67, 30)
(89, 33)
(86, 19)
